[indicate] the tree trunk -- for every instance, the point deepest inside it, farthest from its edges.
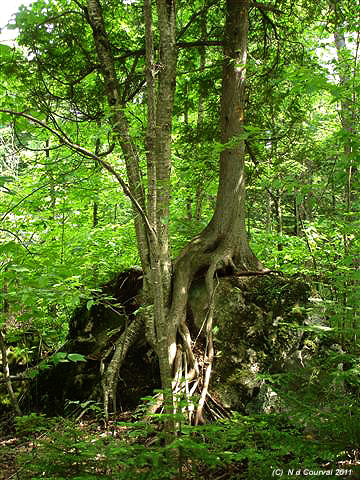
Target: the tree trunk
(223, 244)
(119, 120)
(4, 358)
(346, 110)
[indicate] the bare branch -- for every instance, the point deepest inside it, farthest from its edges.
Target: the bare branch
(197, 43)
(264, 6)
(87, 153)
(17, 238)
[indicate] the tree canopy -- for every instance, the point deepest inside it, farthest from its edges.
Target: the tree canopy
(192, 140)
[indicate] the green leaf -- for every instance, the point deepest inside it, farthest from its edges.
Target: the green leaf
(89, 304)
(19, 268)
(5, 179)
(76, 357)
(59, 357)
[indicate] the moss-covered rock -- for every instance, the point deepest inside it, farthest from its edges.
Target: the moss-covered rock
(257, 331)
(93, 330)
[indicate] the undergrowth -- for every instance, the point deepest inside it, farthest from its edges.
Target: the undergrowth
(242, 447)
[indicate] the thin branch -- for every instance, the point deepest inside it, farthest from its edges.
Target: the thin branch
(55, 17)
(15, 378)
(266, 7)
(87, 153)
(22, 200)
(195, 15)
(200, 43)
(17, 238)
(197, 43)
(128, 79)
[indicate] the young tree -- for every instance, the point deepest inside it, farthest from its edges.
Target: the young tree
(223, 244)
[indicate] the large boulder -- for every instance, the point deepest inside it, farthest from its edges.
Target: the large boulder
(93, 331)
(257, 330)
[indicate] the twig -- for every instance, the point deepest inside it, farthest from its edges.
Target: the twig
(87, 153)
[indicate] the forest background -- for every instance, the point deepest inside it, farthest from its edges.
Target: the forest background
(66, 225)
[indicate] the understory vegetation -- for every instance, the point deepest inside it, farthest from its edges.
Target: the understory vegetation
(129, 134)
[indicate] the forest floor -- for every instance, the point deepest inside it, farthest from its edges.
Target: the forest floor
(23, 452)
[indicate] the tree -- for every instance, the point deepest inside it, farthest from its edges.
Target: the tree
(223, 243)
(84, 81)
(346, 68)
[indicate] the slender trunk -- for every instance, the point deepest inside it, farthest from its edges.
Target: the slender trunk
(268, 227)
(52, 182)
(199, 192)
(161, 261)
(6, 372)
(346, 110)
(347, 118)
(164, 109)
(296, 217)
(4, 359)
(119, 121)
(279, 220)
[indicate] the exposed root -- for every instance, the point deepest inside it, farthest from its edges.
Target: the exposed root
(111, 374)
(209, 350)
(210, 252)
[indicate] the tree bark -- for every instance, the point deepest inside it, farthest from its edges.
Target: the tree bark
(119, 121)
(223, 243)
(4, 358)
(347, 115)
(7, 377)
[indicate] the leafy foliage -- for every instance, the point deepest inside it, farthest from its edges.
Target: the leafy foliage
(66, 227)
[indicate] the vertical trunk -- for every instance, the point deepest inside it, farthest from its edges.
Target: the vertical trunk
(199, 192)
(229, 216)
(223, 243)
(52, 182)
(268, 226)
(347, 118)
(296, 217)
(278, 216)
(164, 110)
(6, 372)
(119, 121)
(346, 109)
(4, 358)
(159, 168)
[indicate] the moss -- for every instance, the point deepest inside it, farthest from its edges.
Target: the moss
(256, 320)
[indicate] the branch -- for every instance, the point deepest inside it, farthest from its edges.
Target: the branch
(23, 199)
(87, 153)
(194, 16)
(17, 238)
(200, 43)
(268, 20)
(197, 43)
(249, 273)
(128, 78)
(265, 6)
(15, 378)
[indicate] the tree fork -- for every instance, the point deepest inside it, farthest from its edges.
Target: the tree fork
(223, 243)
